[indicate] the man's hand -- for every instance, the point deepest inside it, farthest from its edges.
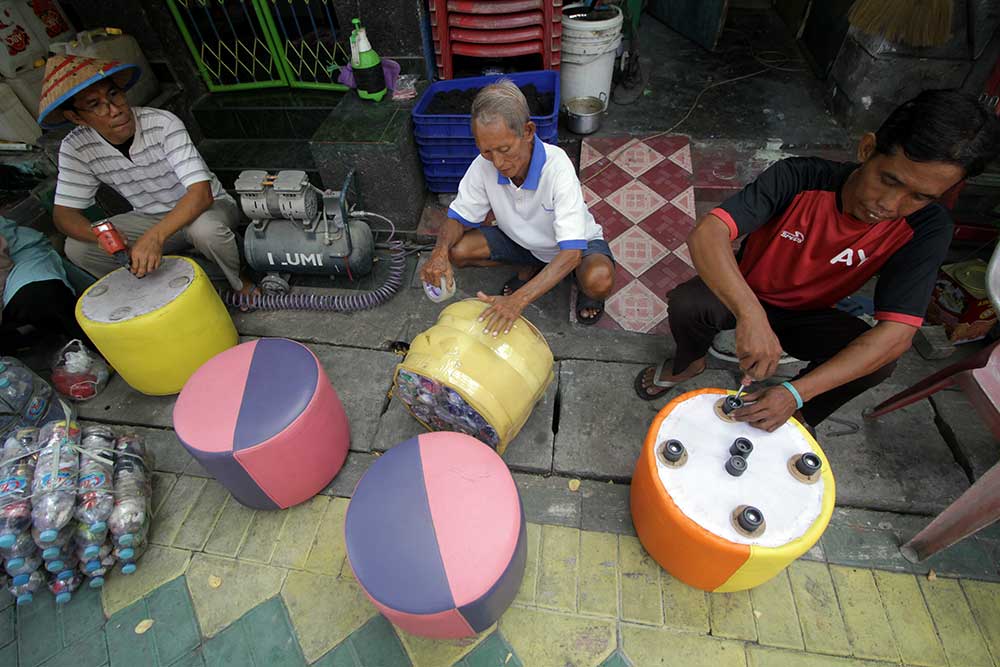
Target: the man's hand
(502, 313)
(757, 348)
(770, 408)
(436, 267)
(146, 253)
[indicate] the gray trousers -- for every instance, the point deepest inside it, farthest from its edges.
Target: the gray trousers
(211, 234)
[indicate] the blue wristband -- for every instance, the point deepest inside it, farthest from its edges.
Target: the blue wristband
(795, 394)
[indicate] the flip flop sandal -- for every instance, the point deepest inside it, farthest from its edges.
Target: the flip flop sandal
(643, 391)
(584, 302)
(512, 285)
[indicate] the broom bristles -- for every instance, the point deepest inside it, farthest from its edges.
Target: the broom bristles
(914, 22)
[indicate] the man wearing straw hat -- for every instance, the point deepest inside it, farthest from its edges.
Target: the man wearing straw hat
(145, 155)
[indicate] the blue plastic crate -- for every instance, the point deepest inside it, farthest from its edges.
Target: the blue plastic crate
(443, 166)
(442, 184)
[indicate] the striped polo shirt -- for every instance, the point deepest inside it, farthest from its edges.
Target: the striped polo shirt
(162, 165)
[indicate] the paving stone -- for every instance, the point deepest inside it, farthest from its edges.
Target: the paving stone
(732, 616)
(89, 651)
(342, 656)
(605, 508)
(118, 403)
(649, 647)
(329, 549)
(230, 530)
(640, 583)
(156, 567)
(78, 620)
(195, 530)
(229, 647)
(968, 558)
(875, 467)
(549, 639)
(774, 609)
(760, 656)
(347, 479)
(162, 484)
(984, 601)
(174, 511)
(975, 447)
(362, 379)
(36, 623)
(867, 626)
(963, 643)
(126, 648)
(8, 654)
(324, 610)
(262, 535)
(911, 624)
(529, 583)
(376, 643)
(493, 652)
(684, 607)
(558, 567)
(617, 659)
(272, 641)
(7, 632)
(899, 524)
(846, 545)
(548, 500)
(598, 574)
(819, 616)
(298, 532)
(244, 586)
(193, 659)
(175, 628)
(425, 652)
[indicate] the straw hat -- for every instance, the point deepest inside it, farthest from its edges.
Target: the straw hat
(65, 76)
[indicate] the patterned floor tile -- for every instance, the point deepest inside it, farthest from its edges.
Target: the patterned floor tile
(668, 144)
(157, 566)
(669, 225)
(637, 251)
(651, 646)
(377, 645)
(635, 200)
(637, 158)
(666, 274)
(613, 222)
(685, 202)
(667, 179)
(682, 158)
(604, 177)
(589, 155)
(324, 610)
(243, 586)
(425, 652)
(493, 652)
(636, 308)
(606, 145)
(270, 635)
(550, 639)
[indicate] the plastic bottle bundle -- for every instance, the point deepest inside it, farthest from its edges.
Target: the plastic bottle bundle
(95, 571)
(23, 546)
(129, 521)
(95, 496)
(60, 566)
(56, 472)
(32, 394)
(441, 408)
(78, 373)
(24, 593)
(129, 555)
(57, 549)
(63, 588)
(17, 468)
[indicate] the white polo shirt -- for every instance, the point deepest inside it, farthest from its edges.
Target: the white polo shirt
(545, 215)
(163, 163)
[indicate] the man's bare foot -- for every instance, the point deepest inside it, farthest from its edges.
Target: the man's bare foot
(647, 390)
(249, 290)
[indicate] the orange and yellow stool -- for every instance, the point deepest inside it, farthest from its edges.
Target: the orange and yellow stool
(721, 524)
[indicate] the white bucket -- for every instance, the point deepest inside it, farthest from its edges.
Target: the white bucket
(588, 54)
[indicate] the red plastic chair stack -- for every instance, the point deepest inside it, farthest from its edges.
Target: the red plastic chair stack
(496, 29)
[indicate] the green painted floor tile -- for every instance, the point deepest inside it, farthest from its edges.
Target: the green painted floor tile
(822, 625)
(599, 573)
(963, 643)
(168, 519)
(7, 631)
(324, 610)
(493, 652)
(640, 583)
(557, 568)
(8, 654)
(650, 647)
(329, 549)
(774, 610)
(36, 624)
(911, 624)
(175, 629)
(684, 607)
(193, 659)
(243, 587)
(82, 618)
(529, 584)
(867, 626)
(342, 656)
(90, 651)
(162, 484)
(857, 547)
(760, 656)
(272, 641)
(968, 558)
(377, 645)
(425, 652)
(156, 567)
(298, 532)
(230, 530)
(125, 647)
(262, 536)
(984, 600)
(543, 638)
(228, 648)
(198, 525)
(616, 660)
(732, 616)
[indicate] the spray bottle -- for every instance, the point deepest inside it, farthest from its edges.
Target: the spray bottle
(367, 66)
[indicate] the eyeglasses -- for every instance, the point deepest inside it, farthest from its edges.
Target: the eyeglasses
(102, 107)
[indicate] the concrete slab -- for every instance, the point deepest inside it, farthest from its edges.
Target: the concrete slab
(897, 463)
(121, 404)
(971, 441)
(605, 508)
(549, 500)
(345, 481)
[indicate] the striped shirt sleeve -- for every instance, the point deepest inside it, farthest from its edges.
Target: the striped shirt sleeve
(182, 155)
(76, 184)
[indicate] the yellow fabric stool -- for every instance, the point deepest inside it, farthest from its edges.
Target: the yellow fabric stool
(158, 330)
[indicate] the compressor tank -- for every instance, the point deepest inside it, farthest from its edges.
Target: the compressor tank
(282, 246)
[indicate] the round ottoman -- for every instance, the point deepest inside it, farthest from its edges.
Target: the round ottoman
(436, 535)
(157, 330)
(264, 420)
(723, 506)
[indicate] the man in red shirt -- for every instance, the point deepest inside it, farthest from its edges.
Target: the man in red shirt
(816, 231)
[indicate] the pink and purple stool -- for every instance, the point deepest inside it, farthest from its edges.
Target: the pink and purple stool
(265, 421)
(436, 535)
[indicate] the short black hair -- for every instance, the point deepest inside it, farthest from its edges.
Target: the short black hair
(942, 126)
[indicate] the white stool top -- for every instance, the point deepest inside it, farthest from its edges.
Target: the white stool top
(120, 296)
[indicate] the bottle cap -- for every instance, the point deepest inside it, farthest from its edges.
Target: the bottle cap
(126, 540)
(3, 367)
(7, 540)
(92, 565)
(91, 551)
(98, 526)
(54, 565)
(21, 579)
(63, 598)
(46, 535)
(97, 582)
(4, 382)
(50, 553)
(126, 553)
(64, 575)
(24, 598)
(128, 568)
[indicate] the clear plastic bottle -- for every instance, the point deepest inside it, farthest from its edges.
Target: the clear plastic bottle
(25, 593)
(91, 560)
(63, 589)
(96, 571)
(130, 518)
(18, 567)
(66, 560)
(129, 555)
(54, 488)
(24, 545)
(15, 484)
(89, 542)
(56, 548)
(95, 495)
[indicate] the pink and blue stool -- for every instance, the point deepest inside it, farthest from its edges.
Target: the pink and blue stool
(436, 535)
(264, 420)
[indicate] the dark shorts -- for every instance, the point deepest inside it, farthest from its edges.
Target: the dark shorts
(504, 250)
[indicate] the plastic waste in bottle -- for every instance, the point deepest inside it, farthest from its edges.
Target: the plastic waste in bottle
(96, 574)
(16, 474)
(89, 543)
(64, 588)
(92, 558)
(58, 547)
(128, 556)
(66, 560)
(54, 488)
(24, 545)
(24, 593)
(130, 517)
(37, 393)
(18, 568)
(95, 495)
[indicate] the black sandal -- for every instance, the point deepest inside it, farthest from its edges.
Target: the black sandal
(512, 285)
(643, 391)
(584, 302)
